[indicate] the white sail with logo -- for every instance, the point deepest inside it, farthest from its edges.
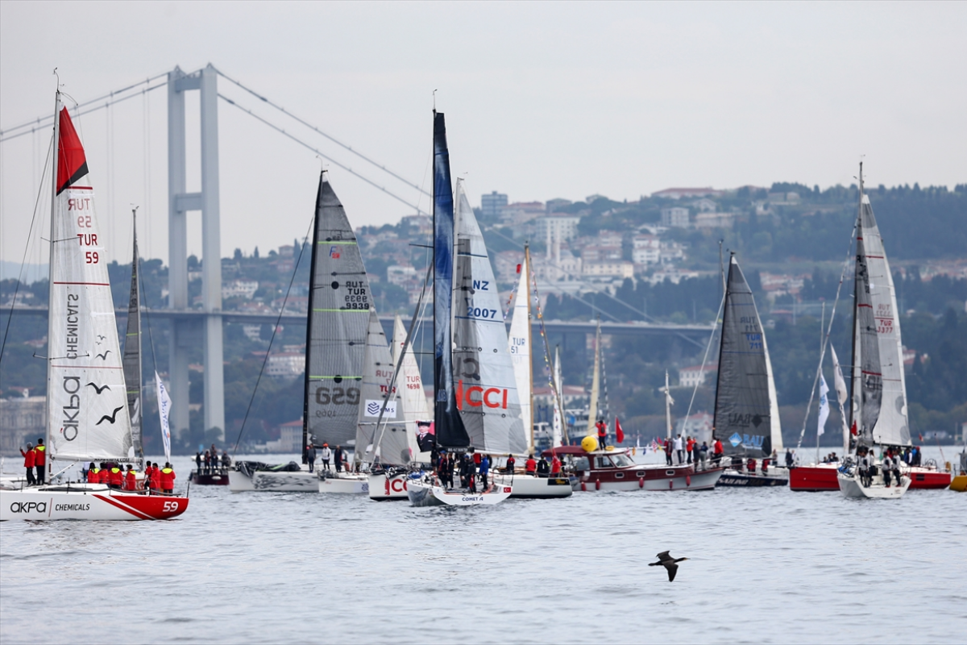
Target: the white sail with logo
(380, 431)
(483, 375)
(88, 419)
(520, 352)
(412, 397)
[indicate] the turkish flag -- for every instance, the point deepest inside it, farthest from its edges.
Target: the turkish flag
(618, 432)
(852, 430)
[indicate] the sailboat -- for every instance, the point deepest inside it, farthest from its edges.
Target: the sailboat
(609, 468)
(520, 344)
(336, 332)
(389, 483)
(475, 395)
(878, 409)
(87, 400)
(746, 418)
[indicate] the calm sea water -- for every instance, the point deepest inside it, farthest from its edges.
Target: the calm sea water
(765, 566)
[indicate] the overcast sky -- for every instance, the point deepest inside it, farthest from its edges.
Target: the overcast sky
(542, 100)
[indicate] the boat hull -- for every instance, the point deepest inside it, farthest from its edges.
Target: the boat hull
(530, 487)
(653, 479)
(209, 479)
(850, 486)
(343, 485)
(746, 480)
(422, 493)
(300, 481)
(818, 477)
(388, 487)
(87, 502)
(927, 478)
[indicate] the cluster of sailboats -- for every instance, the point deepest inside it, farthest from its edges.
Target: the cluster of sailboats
(361, 392)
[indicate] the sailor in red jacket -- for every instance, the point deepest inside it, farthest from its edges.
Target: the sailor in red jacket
(29, 458)
(602, 434)
(555, 466)
(40, 460)
(130, 479)
(115, 477)
(530, 466)
(168, 479)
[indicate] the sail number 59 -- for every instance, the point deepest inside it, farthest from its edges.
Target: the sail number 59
(170, 507)
(90, 257)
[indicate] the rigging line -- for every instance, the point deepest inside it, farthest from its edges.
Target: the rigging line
(556, 388)
(822, 350)
(708, 348)
(110, 95)
(275, 330)
(317, 130)
(33, 219)
(76, 114)
(321, 154)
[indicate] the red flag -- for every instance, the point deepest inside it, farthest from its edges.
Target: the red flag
(852, 430)
(618, 432)
(518, 268)
(921, 436)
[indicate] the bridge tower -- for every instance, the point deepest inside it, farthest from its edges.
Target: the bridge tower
(186, 333)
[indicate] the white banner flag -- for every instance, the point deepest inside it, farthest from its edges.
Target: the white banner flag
(164, 409)
(841, 393)
(823, 405)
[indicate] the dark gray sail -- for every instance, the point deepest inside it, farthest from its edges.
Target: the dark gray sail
(339, 301)
(866, 348)
(132, 354)
(743, 410)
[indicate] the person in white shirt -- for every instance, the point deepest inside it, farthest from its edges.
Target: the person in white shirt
(325, 454)
(679, 449)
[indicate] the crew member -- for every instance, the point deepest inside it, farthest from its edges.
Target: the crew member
(93, 474)
(29, 458)
(555, 466)
(130, 479)
(510, 464)
(717, 452)
(311, 457)
(115, 478)
(789, 459)
(679, 448)
(543, 468)
(484, 471)
(689, 446)
(325, 454)
(198, 461)
(887, 468)
(40, 461)
(530, 466)
(668, 451)
(338, 457)
(602, 434)
(167, 479)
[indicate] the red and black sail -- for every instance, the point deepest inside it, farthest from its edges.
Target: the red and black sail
(71, 161)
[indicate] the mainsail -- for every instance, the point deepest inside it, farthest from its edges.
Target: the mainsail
(450, 432)
(412, 396)
(380, 431)
(339, 303)
(486, 390)
(595, 384)
(746, 414)
(520, 351)
(879, 385)
(132, 353)
(557, 428)
(86, 395)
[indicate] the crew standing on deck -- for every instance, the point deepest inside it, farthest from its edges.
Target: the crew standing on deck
(602, 434)
(168, 479)
(40, 461)
(338, 457)
(29, 458)
(130, 479)
(311, 457)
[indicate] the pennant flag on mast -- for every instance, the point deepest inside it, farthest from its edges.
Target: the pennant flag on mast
(164, 409)
(823, 405)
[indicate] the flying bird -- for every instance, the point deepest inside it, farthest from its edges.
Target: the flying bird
(104, 355)
(100, 389)
(100, 338)
(668, 562)
(110, 418)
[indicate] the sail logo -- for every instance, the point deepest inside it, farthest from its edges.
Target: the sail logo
(491, 397)
(748, 441)
(334, 252)
(28, 507)
(373, 407)
(73, 320)
(481, 285)
(72, 410)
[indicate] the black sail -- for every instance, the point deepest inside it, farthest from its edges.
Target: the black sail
(339, 302)
(743, 413)
(131, 361)
(449, 428)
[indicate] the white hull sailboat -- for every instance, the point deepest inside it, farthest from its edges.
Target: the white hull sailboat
(879, 399)
(87, 407)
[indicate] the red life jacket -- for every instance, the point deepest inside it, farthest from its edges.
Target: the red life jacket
(167, 479)
(94, 475)
(531, 465)
(555, 466)
(40, 456)
(116, 477)
(29, 458)
(130, 481)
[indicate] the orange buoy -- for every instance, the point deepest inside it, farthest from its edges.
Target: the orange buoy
(597, 484)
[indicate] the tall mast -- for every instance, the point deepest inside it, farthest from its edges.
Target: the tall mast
(54, 169)
(530, 345)
(668, 408)
(132, 350)
(725, 312)
(854, 364)
(595, 383)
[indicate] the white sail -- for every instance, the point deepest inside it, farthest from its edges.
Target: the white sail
(557, 428)
(87, 399)
(776, 422)
(412, 397)
(380, 431)
(486, 390)
(842, 396)
(520, 353)
(891, 427)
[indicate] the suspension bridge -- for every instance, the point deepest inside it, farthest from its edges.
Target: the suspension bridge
(188, 325)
